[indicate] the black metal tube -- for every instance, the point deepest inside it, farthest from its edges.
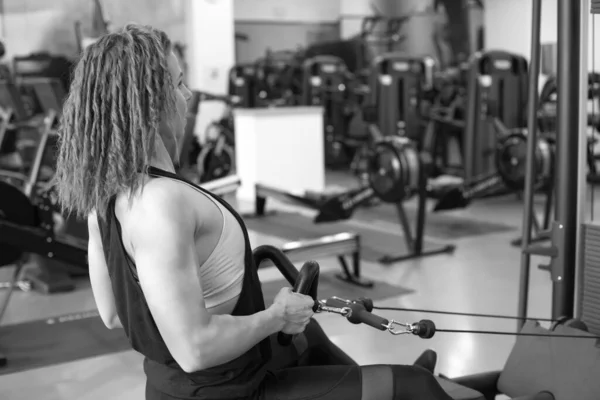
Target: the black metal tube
(277, 257)
(567, 153)
(533, 97)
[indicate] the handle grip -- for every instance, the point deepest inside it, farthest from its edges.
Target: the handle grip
(306, 283)
(360, 315)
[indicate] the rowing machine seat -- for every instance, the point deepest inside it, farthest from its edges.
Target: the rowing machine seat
(545, 367)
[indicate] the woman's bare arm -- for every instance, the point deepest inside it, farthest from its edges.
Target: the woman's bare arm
(163, 237)
(99, 278)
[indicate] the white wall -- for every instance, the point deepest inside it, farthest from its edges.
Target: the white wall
(508, 27)
(288, 10)
(210, 53)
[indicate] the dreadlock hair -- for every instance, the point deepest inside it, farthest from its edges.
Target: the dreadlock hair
(121, 89)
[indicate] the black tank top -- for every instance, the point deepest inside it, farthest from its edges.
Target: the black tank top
(238, 378)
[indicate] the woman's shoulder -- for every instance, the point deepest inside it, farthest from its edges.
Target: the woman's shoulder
(169, 199)
(163, 196)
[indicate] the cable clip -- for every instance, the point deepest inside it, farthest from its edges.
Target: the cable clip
(343, 311)
(408, 328)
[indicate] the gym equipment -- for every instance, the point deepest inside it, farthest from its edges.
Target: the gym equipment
(510, 158)
(223, 186)
(397, 171)
(586, 282)
(544, 365)
(242, 83)
(398, 84)
(548, 100)
(49, 92)
(523, 374)
(378, 35)
(306, 281)
(43, 64)
(340, 245)
(497, 85)
(216, 157)
(272, 74)
(35, 234)
(17, 210)
(490, 84)
(496, 101)
(563, 231)
(590, 303)
(360, 162)
(325, 80)
(356, 311)
(15, 117)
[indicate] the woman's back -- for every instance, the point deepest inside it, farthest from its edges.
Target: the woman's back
(240, 376)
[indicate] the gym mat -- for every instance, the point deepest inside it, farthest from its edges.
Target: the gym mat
(58, 340)
(439, 225)
(330, 285)
(376, 241)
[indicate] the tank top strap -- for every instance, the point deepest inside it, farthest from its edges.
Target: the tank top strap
(157, 172)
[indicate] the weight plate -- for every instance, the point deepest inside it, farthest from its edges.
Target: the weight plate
(511, 160)
(394, 169)
(15, 207)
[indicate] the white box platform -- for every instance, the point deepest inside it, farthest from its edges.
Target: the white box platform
(280, 147)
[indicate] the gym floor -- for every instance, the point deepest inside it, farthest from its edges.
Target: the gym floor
(482, 276)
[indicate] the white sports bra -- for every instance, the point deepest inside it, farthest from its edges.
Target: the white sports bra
(222, 274)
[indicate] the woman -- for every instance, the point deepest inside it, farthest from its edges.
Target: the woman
(171, 263)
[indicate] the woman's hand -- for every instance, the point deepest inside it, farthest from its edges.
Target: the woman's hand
(292, 310)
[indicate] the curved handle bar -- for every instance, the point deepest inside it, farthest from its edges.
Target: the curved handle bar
(275, 255)
(304, 282)
(307, 283)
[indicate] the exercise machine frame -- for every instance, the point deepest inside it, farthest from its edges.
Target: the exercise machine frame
(563, 232)
(340, 245)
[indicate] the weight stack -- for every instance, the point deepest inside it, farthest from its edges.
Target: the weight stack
(590, 293)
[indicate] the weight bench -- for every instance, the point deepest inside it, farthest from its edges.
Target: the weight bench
(341, 245)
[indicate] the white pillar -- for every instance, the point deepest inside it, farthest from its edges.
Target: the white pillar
(210, 52)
